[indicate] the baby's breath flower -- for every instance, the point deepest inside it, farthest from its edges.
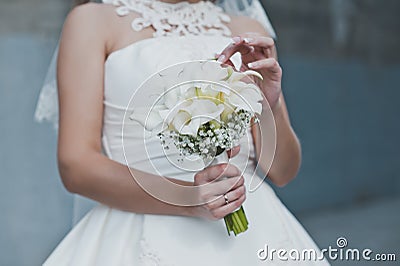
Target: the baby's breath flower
(210, 139)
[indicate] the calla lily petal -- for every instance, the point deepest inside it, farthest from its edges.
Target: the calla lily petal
(192, 128)
(186, 107)
(148, 119)
(253, 73)
(180, 120)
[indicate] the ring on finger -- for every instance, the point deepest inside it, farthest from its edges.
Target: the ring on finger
(226, 199)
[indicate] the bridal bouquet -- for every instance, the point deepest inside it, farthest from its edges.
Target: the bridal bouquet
(205, 119)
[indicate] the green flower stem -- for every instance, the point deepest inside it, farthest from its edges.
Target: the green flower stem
(236, 222)
(234, 227)
(243, 215)
(228, 225)
(240, 222)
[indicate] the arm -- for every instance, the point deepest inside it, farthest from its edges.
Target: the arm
(261, 49)
(287, 158)
(83, 168)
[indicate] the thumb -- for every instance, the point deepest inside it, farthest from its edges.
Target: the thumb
(233, 152)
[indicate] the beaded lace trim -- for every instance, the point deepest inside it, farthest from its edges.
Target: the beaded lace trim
(178, 19)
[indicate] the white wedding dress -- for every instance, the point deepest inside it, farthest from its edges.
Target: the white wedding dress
(107, 236)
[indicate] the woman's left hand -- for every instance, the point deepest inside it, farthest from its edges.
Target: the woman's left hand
(258, 53)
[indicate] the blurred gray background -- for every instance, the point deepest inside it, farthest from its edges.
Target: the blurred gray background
(342, 84)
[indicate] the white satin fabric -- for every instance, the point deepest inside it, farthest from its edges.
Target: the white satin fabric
(107, 236)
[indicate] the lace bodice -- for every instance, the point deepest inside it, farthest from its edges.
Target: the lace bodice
(175, 19)
(182, 19)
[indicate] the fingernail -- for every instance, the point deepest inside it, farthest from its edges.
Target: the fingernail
(251, 65)
(221, 59)
(236, 39)
(248, 40)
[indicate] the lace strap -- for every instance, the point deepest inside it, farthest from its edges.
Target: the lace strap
(175, 19)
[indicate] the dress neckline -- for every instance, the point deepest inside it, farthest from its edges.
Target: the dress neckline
(138, 43)
(175, 19)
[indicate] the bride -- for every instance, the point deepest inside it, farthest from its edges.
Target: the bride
(106, 50)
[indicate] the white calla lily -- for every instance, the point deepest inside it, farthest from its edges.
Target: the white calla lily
(181, 120)
(149, 119)
(245, 96)
(185, 108)
(200, 111)
(234, 76)
(247, 100)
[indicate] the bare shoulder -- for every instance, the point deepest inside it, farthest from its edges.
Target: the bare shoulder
(87, 20)
(88, 13)
(100, 24)
(242, 24)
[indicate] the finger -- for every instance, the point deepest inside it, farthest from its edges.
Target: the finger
(213, 191)
(223, 186)
(265, 44)
(229, 63)
(239, 183)
(234, 194)
(233, 48)
(271, 64)
(233, 152)
(260, 41)
(226, 209)
(215, 172)
(231, 196)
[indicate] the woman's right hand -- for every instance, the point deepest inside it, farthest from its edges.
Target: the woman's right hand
(214, 182)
